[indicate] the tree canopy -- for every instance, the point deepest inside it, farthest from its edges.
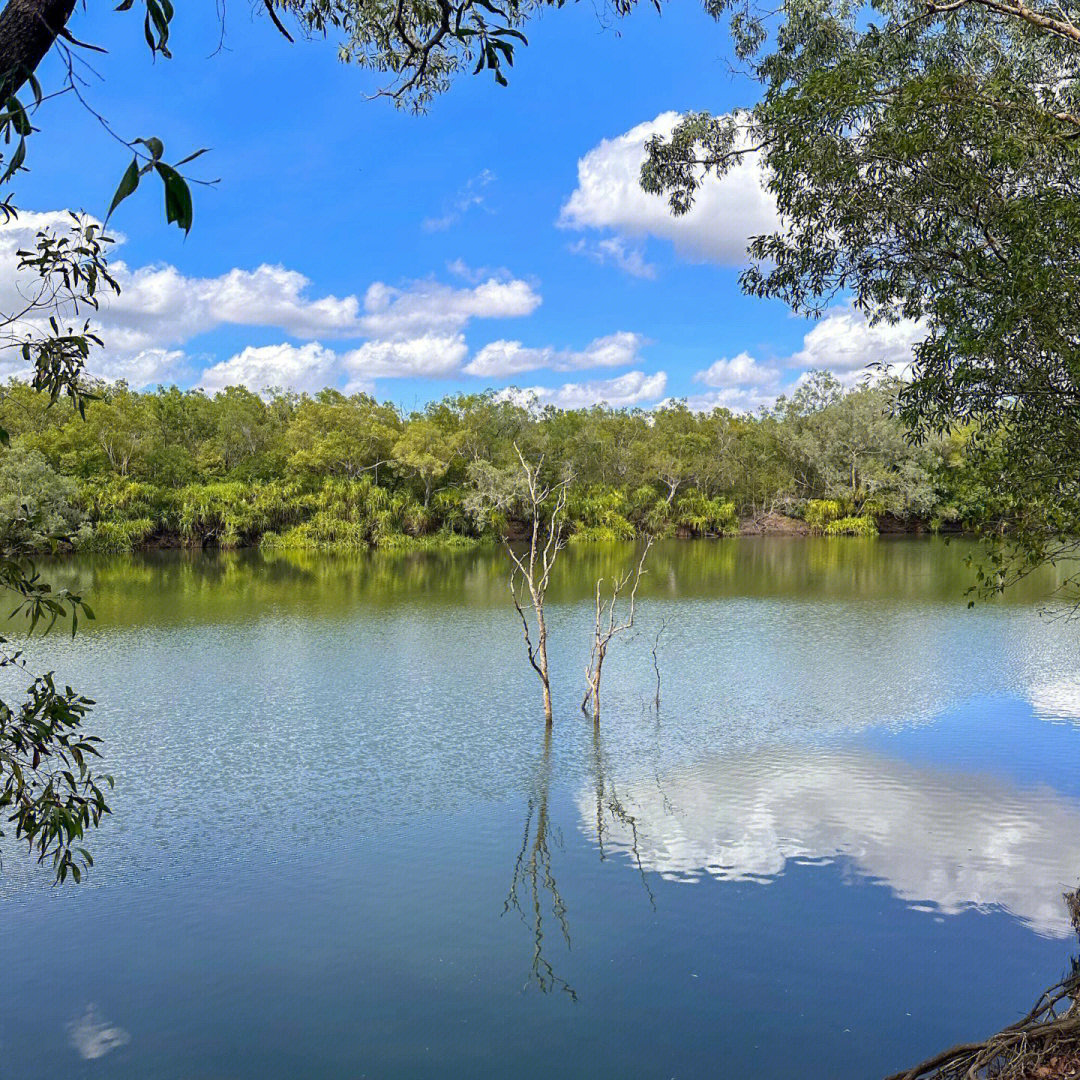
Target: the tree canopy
(924, 160)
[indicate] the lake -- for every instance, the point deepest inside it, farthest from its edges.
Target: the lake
(342, 845)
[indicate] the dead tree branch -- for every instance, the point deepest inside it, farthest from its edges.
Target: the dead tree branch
(530, 573)
(606, 627)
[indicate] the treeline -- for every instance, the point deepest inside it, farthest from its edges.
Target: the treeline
(291, 470)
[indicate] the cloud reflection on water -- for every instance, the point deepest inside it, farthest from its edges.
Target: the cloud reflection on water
(951, 841)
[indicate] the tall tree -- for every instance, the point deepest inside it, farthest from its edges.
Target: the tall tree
(924, 158)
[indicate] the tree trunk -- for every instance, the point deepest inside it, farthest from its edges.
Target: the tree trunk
(28, 29)
(542, 663)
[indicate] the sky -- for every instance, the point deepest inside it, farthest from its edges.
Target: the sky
(498, 241)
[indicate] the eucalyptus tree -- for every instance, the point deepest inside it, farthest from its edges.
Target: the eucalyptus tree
(924, 158)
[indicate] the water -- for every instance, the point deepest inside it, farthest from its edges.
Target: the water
(343, 847)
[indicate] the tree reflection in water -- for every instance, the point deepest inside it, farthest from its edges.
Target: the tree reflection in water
(534, 892)
(533, 877)
(608, 803)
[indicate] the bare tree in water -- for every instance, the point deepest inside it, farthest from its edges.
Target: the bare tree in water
(606, 626)
(530, 575)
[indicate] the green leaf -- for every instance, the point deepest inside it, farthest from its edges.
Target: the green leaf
(178, 206)
(128, 183)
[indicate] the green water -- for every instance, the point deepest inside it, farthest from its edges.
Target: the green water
(342, 845)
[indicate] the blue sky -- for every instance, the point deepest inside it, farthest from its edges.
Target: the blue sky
(497, 241)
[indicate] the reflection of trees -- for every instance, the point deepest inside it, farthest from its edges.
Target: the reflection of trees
(255, 581)
(534, 892)
(533, 888)
(608, 804)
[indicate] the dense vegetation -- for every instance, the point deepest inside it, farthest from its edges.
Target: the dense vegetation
(237, 469)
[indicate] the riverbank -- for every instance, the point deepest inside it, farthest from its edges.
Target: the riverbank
(116, 538)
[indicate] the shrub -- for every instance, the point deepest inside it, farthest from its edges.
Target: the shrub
(704, 516)
(820, 512)
(36, 505)
(852, 526)
(115, 537)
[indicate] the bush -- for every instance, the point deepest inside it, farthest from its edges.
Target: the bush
(852, 526)
(703, 516)
(820, 512)
(37, 507)
(116, 536)
(599, 513)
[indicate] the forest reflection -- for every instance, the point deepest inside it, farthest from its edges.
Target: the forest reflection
(241, 585)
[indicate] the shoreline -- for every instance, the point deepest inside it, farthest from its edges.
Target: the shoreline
(764, 525)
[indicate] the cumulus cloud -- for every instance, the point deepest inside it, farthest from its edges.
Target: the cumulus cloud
(845, 343)
(296, 367)
(432, 307)
(431, 355)
(741, 370)
(633, 388)
(499, 359)
(608, 197)
(741, 384)
(415, 329)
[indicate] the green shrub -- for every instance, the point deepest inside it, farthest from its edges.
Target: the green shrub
(820, 512)
(36, 505)
(703, 516)
(599, 513)
(115, 537)
(852, 526)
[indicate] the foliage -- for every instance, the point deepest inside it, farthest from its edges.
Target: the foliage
(38, 506)
(820, 513)
(701, 516)
(49, 795)
(924, 158)
(330, 471)
(852, 526)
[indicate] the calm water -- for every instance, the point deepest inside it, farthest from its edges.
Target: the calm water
(342, 846)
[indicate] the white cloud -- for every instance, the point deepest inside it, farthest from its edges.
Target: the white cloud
(431, 307)
(608, 196)
(499, 359)
(742, 370)
(307, 367)
(428, 356)
(414, 329)
(628, 256)
(740, 384)
(471, 195)
(845, 343)
(738, 399)
(633, 388)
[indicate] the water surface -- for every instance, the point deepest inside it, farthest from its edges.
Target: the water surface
(342, 845)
